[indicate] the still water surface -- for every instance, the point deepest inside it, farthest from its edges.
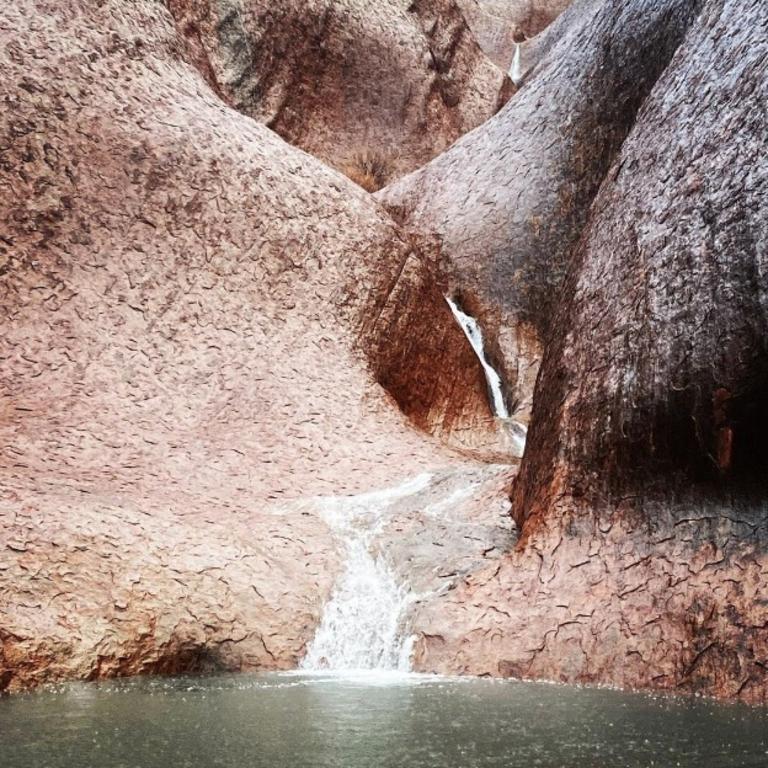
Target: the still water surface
(373, 721)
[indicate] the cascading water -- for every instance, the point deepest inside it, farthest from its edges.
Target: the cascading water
(475, 336)
(364, 623)
(516, 73)
(362, 627)
(516, 431)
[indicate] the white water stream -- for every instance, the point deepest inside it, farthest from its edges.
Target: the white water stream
(475, 336)
(363, 624)
(516, 73)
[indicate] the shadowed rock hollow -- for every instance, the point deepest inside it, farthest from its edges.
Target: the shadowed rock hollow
(186, 300)
(373, 88)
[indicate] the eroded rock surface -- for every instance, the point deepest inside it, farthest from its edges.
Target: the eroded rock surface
(499, 24)
(99, 585)
(373, 88)
(644, 551)
(185, 304)
(510, 199)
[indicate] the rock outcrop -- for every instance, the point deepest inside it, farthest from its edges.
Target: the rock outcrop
(210, 337)
(375, 89)
(509, 200)
(644, 551)
(186, 300)
(499, 24)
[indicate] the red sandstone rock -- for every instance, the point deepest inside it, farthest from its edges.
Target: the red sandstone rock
(499, 24)
(509, 200)
(373, 88)
(643, 560)
(197, 319)
(185, 303)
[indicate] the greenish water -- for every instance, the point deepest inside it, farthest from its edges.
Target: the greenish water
(298, 721)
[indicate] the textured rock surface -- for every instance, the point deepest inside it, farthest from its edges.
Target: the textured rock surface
(184, 302)
(395, 80)
(200, 323)
(458, 524)
(498, 24)
(97, 585)
(510, 199)
(534, 50)
(644, 550)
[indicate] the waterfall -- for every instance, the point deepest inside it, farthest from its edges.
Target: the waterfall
(516, 73)
(475, 335)
(362, 626)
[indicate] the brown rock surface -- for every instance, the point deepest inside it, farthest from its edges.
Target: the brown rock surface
(499, 24)
(201, 324)
(373, 88)
(644, 551)
(185, 299)
(509, 200)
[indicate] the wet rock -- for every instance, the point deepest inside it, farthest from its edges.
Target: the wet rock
(644, 547)
(499, 25)
(188, 306)
(509, 200)
(374, 89)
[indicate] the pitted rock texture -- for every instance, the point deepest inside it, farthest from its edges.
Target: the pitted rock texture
(499, 24)
(434, 375)
(681, 609)
(643, 557)
(387, 84)
(186, 303)
(510, 199)
(455, 527)
(100, 585)
(534, 50)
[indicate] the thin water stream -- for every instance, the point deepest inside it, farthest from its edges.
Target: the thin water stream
(516, 72)
(517, 431)
(474, 335)
(380, 721)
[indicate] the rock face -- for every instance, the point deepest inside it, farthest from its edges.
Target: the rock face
(498, 24)
(209, 337)
(509, 200)
(373, 88)
(185, 303)
(644, 550)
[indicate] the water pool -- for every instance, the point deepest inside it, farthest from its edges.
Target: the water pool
(369, 721)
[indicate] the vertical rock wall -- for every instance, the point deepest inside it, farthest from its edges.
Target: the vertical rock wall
(644, 551)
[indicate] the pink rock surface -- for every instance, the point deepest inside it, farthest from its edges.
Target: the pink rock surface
(373, 88)
(185, 300)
